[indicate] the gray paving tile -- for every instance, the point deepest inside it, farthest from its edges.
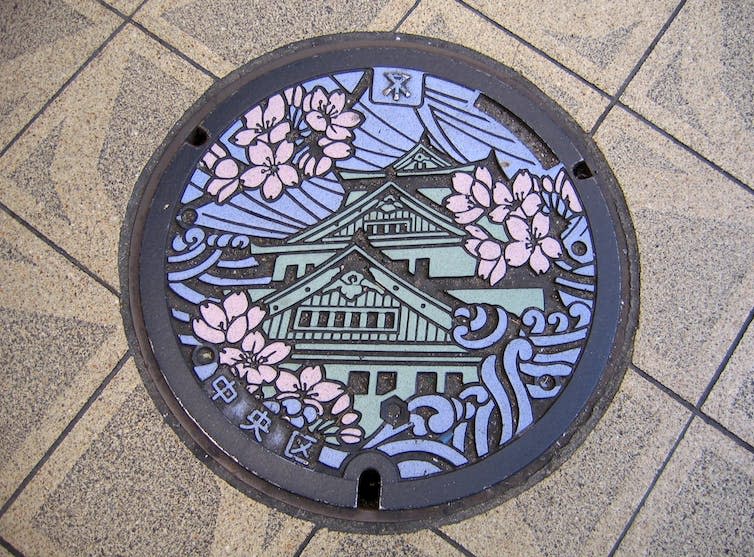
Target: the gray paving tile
(42, 43)
(601, 41)
(72, 173)
(448, 20)
(126, 7)
(731, 401)
(702, 503)
(423, 543)
(698, 83)
(695, 230)
(62, 335)
(225, 34)
(582, 507)
(123, 483)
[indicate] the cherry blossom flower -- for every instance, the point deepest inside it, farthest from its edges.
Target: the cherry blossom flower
(229, 321)
(268, 126)
(225, 170)
(563, 187)
(313, 165)
(473, 195)
(310, 389)
(255, 359)
(531, 243)
(327, 113)
(492, 265)
(269, 170)
(522, 202)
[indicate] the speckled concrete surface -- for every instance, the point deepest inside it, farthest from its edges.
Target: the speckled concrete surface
(89, 466)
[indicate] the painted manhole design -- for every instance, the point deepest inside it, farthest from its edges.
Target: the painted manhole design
(376, 277)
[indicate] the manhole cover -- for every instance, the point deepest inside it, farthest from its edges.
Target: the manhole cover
(380, 278)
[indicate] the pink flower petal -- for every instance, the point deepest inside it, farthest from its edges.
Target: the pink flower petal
(323, 166)
(267, 373)
(485, 268)
(254, 177)
(498, 272)
(325, 391)
(236, 304)
(337, 150)
(462, 182)
(316, 121)
(217, 185)
(272, 187)
(275, 110)
(294, 95)
(481, 194)
(338, 100)
(499, 213)
(538, 261)
(230, 356)
(348, 417)
(517, 254)
(310, 376)
(343, 402)
(288, 175)
(477, 232)
(518, 229)
(469, 216)
(287, 382)
(284, 152)
(348, 119)
(551, 247)
(457, 203)
(213, 315)
(279, 132)
(254, 317)
(351, 435)
(237, 329)
(472, 246)
(338, 133)
(253, 342)
(228, 190)
(540, 225)
(245, 137)
(531, 204)
(319, 99)
(260, 154)
(490, 250)
(522, 185)
(501, 194)
(569, 194)
(205, 332)
(253, 118)
(484, 176)
(227, 168)
(253, 377)
(274, 353)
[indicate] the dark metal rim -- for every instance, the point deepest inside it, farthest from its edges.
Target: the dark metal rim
(351, 519)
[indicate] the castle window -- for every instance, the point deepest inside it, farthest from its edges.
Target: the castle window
(355, 320)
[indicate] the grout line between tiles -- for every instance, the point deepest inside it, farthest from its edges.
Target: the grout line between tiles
(453, 542)
(538, 50)
(709, 420)
(651, 486)
(97, 392)
(11, 549)
(116, 11)
(59, 250)
(174, 50)
(726, 359)
(307, 540)
(405, 16)
(637, 67)
(690, 150)
(62, 88)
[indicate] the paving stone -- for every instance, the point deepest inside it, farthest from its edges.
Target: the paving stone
(698, 84)
(601, 41)
(581, 508)
(702, 503)
(126, 7)
(695, 230)
(63, 335)
(422, 543)
(731, 401)
(43, 43)
(123, 483)
(72, 173)
(225, 34)
(448, 20)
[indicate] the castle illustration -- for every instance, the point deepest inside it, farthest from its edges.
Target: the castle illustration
(350, 292)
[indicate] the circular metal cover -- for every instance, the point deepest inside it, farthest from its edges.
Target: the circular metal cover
(381, 279)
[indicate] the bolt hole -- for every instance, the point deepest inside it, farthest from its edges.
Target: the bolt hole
(578, 248)
(582, 171)
(370, 486)
(197, 137)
